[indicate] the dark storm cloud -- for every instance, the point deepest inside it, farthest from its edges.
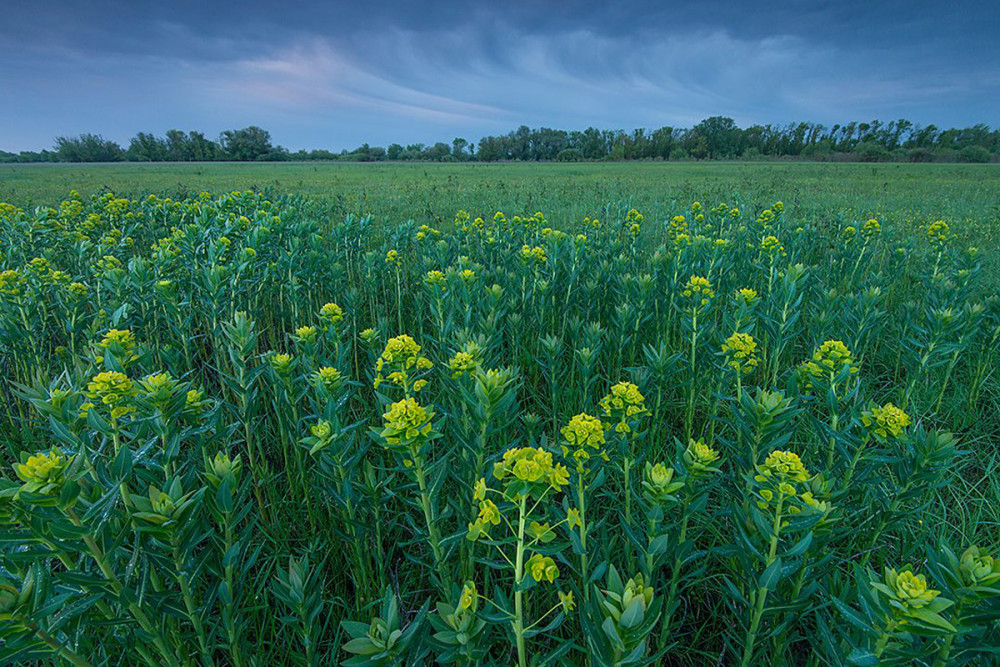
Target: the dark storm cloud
(336, 74)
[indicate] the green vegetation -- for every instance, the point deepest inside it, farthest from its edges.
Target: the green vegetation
(396, 414)
(714, 138)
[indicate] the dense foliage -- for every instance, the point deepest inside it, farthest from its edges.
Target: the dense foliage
(717, 137)
(243, 431)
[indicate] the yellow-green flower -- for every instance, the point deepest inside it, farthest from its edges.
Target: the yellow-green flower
(329, 378)
(306, 335)
(885, 422)
(740, 350)
(979, 568)
(699, 289)
(542, 568)
(43, 473)
(534, 468)
(114, 390)
(331, 314)
(465, 362)
(828, 361)
(121, 343)
(623, 406)
(573, 518)
(699, 458)
(658, 483)
(909, 590)
(871, 228)
(392, 258)
(479, 493)
(435, 278)
(771, 246)
(399, 362)
(583, 434)
(281, 363)
(469, 599)
(533, 254)
(567, 602)
(541, 531)
(746, 296)
(938, 233)
(407, 425)
(781, 468)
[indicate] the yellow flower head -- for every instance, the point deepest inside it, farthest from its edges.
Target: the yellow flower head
(121, 343)
(392, 258)
(329, 378)
(465, 362)
(469, 600)
(699, 289)
(530, 470)
(658, 483)
(624, 406)
(740, 350)
(771, 246)
(828, 361)
(400, 362)
(849, 233)
(331, 314)
(533, 254)
(43, 471)
(114, 390)
(870, 229)
(938, 233)
(306, 335)
(542, 568)
(582, 434)
(979, 568)
(435, 278)
(699, 458)
(908, 590)
(885, 422)
(407, 425)
(281, 363)
(780, 470)
(746, 296)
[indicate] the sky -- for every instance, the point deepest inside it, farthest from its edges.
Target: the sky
(337, 74)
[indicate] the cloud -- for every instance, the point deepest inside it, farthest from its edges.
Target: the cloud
(473, 73)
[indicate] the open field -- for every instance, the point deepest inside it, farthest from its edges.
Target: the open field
(616, 414)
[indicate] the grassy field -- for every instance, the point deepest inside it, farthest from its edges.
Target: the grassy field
(642, 427)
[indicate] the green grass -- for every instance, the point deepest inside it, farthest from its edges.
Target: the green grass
(967, 196)
(309, 502)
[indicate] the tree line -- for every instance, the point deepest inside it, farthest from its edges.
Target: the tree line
(715, 138)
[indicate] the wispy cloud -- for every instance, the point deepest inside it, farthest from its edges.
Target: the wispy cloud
(474, 74)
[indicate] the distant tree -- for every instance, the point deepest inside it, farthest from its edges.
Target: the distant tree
(460, 149)
(88, 148)
(974, 154)
(394, 152)
(145, 147)
(246, 145)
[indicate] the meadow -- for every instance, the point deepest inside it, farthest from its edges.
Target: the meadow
(597, 414)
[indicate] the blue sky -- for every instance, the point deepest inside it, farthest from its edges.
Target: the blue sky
(336, 74)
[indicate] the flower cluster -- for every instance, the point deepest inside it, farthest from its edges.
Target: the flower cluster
(533, 254)
(938, 233)
(885, 422)
(114, 390)
(121, 344)
(530, 471)
(699, 289)
(407, 426)
(658, 485)
(331, 315)
(623, 406)
(43, 473)
(699, 459)
(771, 246)
(465, 361)
(392, 258)
(870, 229)
(400, 362)
(746, 296)
(329, 378)
(828, 361)
(740, 350)
(584, 436)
